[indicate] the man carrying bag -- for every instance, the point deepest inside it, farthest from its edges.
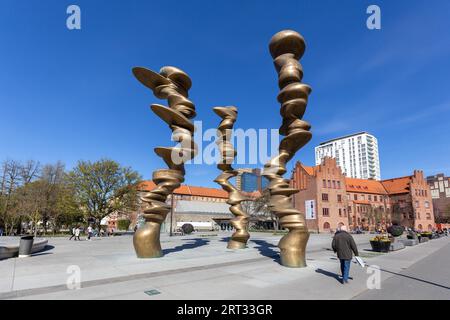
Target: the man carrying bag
(344, 245)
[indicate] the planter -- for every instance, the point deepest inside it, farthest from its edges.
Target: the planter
(380, 246)
(427, 235)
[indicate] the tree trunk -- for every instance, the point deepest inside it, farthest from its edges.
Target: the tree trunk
(275, 224)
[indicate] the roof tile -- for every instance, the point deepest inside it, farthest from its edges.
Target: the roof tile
(397, 185)
(364, 185)
(149, 185)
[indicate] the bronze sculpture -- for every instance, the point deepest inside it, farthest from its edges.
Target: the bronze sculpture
(172, 84)
(286, 48)
(224, 132)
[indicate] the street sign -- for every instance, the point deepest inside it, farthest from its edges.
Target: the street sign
(310, 208)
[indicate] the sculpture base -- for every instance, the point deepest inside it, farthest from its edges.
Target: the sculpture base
(146, 241)
(239, 239)
(293, 248)
(232, 244)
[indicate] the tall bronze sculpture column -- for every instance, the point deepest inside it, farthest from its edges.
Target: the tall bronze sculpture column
(172, 84)
(224, 132)
(286, 48)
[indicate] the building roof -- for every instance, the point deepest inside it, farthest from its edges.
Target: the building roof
(362, 202)
(198, 191)
(344, 137)
(397, 185)
(188, 190)
(202, 207)
(309, 170)
(389, 186)
(364, 186)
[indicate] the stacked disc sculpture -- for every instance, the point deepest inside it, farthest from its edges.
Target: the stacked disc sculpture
(172, 84)
(227, 154)
(286, 48)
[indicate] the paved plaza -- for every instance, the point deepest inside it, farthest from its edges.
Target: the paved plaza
(200, 267)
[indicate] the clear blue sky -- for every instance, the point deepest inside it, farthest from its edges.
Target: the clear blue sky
(70, 95)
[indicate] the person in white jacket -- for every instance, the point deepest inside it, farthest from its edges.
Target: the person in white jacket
(89, 231)
(77, 233)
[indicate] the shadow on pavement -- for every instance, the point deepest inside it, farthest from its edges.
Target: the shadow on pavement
(265, 249)
(417, 279)
(197, 243)
(47, 248)
(331, 274)
(41, 254)
(44, 252)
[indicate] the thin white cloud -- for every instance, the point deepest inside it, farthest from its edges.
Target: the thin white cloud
(422, 115)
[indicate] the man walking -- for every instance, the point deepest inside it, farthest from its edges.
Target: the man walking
(89, 230)
(344, 245)
(73, 234)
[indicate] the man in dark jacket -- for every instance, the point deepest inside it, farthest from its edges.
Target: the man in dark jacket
(345, 246)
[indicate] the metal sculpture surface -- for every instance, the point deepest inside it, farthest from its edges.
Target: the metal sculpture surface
(286, 48)
(172, 84)
(224, 132)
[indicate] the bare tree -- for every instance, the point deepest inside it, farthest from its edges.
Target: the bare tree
(261, 207)
(29, 171)
(11, 180)
(15, 176)
(53, 180)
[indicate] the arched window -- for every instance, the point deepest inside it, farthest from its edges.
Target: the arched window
(419, 227)
(340, 225)
(326, 226)
(430, 227)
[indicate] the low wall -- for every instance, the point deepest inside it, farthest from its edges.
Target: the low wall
(9, 247)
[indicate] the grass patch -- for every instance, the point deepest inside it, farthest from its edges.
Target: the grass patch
(207, 235)
(370, 254)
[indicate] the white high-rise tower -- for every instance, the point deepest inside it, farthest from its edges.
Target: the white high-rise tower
(356, 154)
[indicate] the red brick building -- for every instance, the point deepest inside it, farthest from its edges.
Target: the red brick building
(368, 203)
(204, 208)
(322, 195)
(330, 199)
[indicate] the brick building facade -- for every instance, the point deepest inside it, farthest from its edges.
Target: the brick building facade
(440, 193)
(323, 188)
(330, 199)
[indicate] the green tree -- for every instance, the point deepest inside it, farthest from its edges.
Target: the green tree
(48, 200)
(123, 224)
(104, 187)
(32, 202)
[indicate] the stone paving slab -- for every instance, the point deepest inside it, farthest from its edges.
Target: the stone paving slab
(209, 271)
